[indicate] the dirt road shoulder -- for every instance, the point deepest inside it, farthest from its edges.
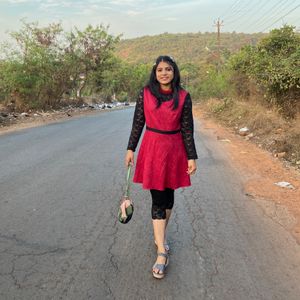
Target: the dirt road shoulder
(259, 171)
(47, 118)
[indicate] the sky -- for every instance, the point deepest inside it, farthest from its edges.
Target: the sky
(135, 18)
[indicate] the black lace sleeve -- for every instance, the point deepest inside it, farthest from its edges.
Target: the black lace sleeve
(187, 128)
(138, 122)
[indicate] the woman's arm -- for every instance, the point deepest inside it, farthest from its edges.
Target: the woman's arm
(187, 128)
(137, 128)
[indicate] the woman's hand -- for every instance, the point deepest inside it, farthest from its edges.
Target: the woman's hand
(129, 158)
(191, 167)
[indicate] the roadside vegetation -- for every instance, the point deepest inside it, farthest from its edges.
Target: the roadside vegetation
(248, 81)
(46, 65)
(259, 88)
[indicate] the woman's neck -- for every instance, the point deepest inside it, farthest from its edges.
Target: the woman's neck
(165, 92)
(165, 87)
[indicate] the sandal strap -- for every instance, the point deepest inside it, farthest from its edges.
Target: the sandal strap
(162, 254)
(160, 267)
(167, 247)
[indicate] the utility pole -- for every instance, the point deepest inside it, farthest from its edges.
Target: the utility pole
(218, 24)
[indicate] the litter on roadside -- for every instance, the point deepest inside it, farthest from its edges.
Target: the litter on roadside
(225, 140)
(285, 184)
(244, 131)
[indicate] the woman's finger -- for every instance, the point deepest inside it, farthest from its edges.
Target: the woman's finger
(192, 171)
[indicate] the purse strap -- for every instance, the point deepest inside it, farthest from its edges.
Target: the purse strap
(127, 189)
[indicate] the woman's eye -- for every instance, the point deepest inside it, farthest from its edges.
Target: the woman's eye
(166, 69)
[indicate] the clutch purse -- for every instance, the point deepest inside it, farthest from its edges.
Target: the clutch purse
(126, 207)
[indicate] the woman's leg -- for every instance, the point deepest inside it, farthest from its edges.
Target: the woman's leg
(159, 223)
(168, 215)
(159, 215)
(169, 204)
(159, 235)
(159, 227)
(162, 204)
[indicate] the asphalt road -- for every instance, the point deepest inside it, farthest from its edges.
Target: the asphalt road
(59, 238)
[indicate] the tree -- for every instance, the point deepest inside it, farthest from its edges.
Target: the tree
(90, 51)
(274, 66)
(49, 62)
(124, 79)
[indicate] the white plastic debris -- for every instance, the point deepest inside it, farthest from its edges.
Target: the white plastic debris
(225, 141)
(284, 184)
(244, 131)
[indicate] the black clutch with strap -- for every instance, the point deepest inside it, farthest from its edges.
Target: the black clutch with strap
(126, 207)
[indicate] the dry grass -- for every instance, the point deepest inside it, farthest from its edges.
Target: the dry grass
(270, 130)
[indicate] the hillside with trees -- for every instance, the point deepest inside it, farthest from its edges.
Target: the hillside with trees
(184, 47)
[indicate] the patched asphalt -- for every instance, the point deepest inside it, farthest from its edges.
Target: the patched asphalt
(60, 239)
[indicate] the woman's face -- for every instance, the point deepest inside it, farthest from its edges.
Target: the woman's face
(164, 74)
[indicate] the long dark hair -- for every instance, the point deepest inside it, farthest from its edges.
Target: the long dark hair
(154, 85)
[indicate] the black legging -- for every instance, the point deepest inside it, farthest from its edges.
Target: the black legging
(161, 200)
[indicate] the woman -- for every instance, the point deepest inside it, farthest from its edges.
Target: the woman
(167, 154)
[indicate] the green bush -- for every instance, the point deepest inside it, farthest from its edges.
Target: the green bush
(215, 85)
(274, 65)
(49, 62)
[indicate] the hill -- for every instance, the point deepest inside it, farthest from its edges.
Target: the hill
(184, 47)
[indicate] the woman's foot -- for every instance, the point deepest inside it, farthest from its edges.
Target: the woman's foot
(158, 269)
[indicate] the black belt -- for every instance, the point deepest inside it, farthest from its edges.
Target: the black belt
(163, 131)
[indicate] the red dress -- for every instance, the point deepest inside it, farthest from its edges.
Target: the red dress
(162, 158)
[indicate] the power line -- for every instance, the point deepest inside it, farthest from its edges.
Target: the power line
(231, 7)
(278, 7)
(244, 14)
(279, 10)
(259, 8)
(282, 17)
(269, 12)
(240, 9)
(272, 8)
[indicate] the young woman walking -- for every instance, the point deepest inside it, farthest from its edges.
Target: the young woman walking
(167, 154)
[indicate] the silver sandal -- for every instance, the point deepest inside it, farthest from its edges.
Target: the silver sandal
(161, 267)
